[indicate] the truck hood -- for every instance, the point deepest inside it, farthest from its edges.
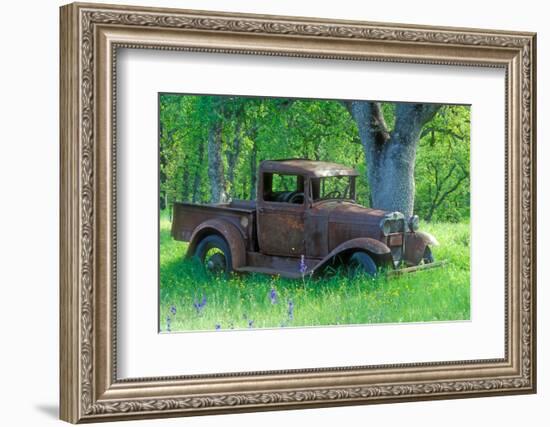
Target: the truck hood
(340, 211)
(346, 220)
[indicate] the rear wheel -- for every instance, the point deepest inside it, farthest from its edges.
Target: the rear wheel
(215, 255)
(428, 257)
(361, 263)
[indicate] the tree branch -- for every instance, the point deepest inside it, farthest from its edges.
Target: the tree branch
(451, 190)
(427, 130)
(370, 121)
(379, 124)
(347, 105)
(411, 118)
(427, 111)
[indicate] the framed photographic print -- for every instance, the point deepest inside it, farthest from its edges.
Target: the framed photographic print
(265, 212)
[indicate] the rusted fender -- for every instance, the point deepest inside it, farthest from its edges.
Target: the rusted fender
(415, 245)
(233, 236)
(378, 250)
(427, 238)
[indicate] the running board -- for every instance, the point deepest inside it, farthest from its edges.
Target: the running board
(298, 275)
(272, 271)
(293, 274)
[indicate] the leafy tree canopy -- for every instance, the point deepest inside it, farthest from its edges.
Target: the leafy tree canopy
(254, 129)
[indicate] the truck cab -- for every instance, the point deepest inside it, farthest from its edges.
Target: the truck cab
(289, 196)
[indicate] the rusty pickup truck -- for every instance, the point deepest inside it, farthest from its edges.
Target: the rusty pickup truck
(305, 218)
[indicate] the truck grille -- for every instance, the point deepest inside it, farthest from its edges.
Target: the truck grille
(396, 225)
(393, 222)
(397, 254)
(393, 227)
(395, 239)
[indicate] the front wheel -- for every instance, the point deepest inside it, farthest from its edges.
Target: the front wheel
(428, 257)
(361, 263)
(215, 255)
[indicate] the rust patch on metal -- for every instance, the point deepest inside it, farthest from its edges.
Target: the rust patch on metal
(395, 240)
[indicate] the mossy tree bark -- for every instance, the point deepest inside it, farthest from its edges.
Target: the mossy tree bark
(390, 155)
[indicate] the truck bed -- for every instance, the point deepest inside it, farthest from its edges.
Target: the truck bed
(188, 216)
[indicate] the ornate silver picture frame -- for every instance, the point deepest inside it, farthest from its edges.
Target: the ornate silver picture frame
(91, 34)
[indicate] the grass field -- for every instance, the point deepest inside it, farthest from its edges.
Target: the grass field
(189, 300)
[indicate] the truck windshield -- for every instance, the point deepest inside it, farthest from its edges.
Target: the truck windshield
(333, 187)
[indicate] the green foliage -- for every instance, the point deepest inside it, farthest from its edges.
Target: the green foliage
(255, 129)
(442, 172)
(432, 295)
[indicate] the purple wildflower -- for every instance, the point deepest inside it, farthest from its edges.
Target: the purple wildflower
(173, 310)
(303, 266)
(290, 310)
(168, 321)
(199, 305)
(273, 296)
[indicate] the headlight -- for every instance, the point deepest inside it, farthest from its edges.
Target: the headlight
(385, 226)
(414, 223)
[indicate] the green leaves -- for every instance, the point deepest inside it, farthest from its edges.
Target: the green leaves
(266, 128)
(443, 166)
(255, 129)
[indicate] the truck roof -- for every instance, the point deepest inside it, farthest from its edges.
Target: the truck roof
(311, 168)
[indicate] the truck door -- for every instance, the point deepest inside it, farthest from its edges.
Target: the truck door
(280, 214)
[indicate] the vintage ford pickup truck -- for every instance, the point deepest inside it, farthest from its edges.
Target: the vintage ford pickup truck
(305, 218)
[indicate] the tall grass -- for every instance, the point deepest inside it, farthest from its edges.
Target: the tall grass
(190, 300)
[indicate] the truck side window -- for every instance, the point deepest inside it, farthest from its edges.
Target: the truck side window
(283, 188)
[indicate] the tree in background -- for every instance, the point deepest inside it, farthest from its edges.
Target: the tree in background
(391, 153)
(443, 166)
(407, 154)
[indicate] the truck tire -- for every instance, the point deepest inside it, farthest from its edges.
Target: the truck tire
(362, 263)
(214, 254)
(428, 257)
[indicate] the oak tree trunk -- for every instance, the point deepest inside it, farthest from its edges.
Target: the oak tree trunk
(390, 156)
